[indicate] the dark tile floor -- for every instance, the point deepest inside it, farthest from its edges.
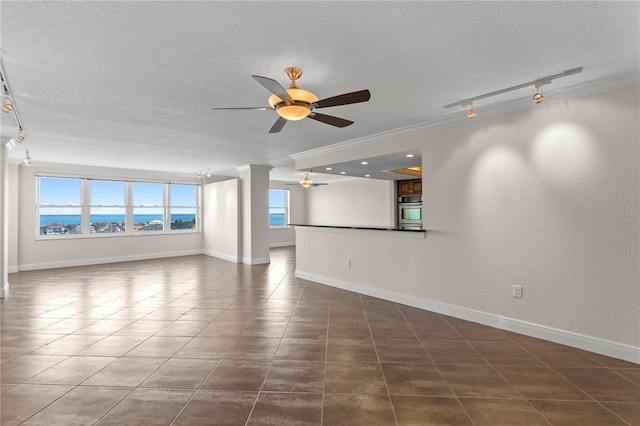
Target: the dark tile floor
(196, 341)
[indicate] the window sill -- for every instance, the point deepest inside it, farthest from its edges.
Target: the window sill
(114, 235)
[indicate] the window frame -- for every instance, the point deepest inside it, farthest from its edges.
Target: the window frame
(39, 205)
(287, 209)
(170, 207)
(129, 209)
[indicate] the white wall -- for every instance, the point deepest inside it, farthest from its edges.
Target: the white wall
(364, 202)
(14, 191)
(220, 219)
(53, 253)
(281, 237)
(4, 219)
(546, 198)
(254, 215)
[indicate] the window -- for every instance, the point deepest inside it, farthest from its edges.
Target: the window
(107, 209)
(148, 207)
(183, 207)
(278, 208)
(69, 206)
(60, 206)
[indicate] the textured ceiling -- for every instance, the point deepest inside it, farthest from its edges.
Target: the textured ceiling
(132, 84)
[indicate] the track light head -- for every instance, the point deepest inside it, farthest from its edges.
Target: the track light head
(537, 97)
(21, 136)
(7, 105)
(471, 113)
(27, 159)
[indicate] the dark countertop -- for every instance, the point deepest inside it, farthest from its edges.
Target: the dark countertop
(371, 228)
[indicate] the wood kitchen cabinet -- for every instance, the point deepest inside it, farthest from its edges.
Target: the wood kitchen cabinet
(409, 188)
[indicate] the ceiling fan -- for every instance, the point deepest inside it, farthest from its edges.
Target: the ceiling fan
(307, 182)
(295, 104)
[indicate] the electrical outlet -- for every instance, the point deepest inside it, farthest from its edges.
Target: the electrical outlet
(517, 291)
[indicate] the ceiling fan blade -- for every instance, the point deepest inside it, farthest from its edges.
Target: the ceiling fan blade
(242, 108)
(313, 184)
(344, 99)
(274, 87)
(330, 119)
(278, 125)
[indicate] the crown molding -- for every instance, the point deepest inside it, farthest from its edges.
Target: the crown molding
(457, 117)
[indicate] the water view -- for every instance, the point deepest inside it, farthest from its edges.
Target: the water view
(72, 224)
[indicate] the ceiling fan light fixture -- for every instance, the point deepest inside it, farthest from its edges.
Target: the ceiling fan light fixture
(301, 108)
(306, 182)
(293, 112)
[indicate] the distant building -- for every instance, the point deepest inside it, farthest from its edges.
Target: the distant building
(155, 225)
(57, 229)
(112, 227)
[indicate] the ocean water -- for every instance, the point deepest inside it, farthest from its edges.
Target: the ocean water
(276, 219)
(75, 219)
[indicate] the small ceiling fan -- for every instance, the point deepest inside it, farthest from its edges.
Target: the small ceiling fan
(295, 104)
(307, 182)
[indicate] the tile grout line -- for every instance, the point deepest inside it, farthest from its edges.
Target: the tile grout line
(455, 395)
(375, 348)
(570, 382)
(506, 381)
(326, 361)
(275, 352)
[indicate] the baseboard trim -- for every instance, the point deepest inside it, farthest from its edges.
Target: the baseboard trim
(4, 290)
(12, 269)
(256, 261)
(564, 337)
(103, 260)
(223, 256)
(284, 244)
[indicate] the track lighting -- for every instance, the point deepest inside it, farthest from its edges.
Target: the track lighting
(27, 159)
(537, 97)
(209, 172)
(7, 105)
(537, 84)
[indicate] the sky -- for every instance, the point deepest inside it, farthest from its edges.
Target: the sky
(67, 192)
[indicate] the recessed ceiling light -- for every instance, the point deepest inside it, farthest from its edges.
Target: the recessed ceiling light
(343, 173)
(364, 163)
(409, 155)
(329, 168)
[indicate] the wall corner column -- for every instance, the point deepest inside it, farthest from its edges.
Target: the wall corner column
(4, 220)
(254, 217)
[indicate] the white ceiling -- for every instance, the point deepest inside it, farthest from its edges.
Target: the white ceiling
(131, 84)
